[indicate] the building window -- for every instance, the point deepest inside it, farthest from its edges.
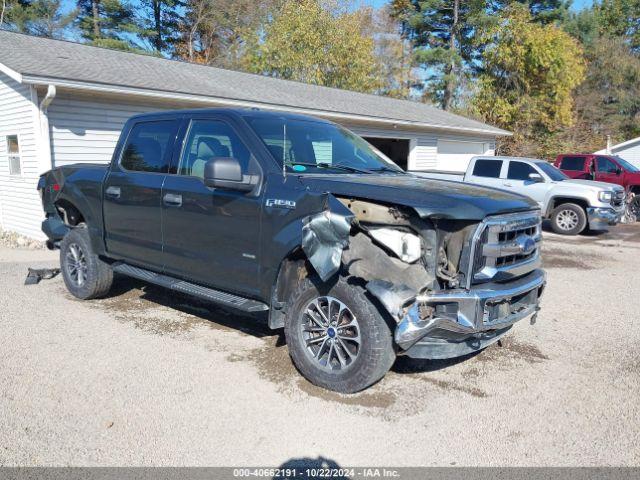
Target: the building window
(13, 154)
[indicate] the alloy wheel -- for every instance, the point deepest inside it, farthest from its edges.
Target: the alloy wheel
(331, 333)
(567, 219)
(76, 264)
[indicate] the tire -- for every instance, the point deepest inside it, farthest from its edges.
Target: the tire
(365, 362)
(568, 219)
(84, 274)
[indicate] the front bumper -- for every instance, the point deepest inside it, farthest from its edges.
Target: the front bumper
(476, 315)
(601, 217)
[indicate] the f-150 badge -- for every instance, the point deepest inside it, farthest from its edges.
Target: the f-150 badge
(280, 203)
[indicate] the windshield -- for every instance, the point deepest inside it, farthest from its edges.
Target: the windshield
(552, 172)
(313, 147)
(627, 166)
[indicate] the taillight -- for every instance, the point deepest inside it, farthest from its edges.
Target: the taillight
(55, 187)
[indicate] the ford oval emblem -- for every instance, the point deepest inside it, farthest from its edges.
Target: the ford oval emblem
(526, 244)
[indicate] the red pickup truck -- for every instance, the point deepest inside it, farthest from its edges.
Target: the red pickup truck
(603, 168)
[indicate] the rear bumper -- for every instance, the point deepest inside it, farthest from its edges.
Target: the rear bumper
(601, 218)
(54, 228)
(476, 315)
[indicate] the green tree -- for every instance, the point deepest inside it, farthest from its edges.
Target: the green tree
(542, 11)
(160, 23)
(444, 35)
(44, 18)
(620, 18)
(530, 73)
(311, 44)
(108, 23)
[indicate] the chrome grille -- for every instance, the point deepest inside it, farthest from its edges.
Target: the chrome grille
(505, 247)
(618, 198)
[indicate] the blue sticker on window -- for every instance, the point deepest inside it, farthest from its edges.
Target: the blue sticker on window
(299, 168)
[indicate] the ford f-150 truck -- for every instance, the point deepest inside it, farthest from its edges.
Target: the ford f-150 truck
(604, 168)
(571, 205)
(298, 217)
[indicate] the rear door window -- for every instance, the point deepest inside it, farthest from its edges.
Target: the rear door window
(487, 168)
(520, 171)
(572, 163)
(149, 145)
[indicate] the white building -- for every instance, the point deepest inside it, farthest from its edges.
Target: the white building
(63, 102)
(629, 151)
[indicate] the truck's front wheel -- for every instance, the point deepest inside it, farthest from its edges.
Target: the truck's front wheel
(337, 337)
(568, 219)
(84, 274)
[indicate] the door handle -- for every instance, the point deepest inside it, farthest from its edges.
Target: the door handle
(508, 184)
(172, 200)
(113, 192)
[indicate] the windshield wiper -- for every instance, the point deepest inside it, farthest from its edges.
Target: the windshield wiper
(337, 166)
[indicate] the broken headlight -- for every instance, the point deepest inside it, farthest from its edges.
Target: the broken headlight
(405, 245)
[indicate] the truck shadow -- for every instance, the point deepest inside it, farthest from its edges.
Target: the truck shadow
(127, 292)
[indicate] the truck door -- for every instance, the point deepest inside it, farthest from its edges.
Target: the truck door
(211, 236)
(486, 171)
(607, 171)
(519, 181)
(131, 193)
(575, 166)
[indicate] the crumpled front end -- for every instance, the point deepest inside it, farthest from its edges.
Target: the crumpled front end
(452, 287)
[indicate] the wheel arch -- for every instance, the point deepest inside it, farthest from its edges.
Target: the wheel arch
(555, 202)
(293, 268)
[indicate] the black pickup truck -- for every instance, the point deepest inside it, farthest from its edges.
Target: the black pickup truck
(356, 259)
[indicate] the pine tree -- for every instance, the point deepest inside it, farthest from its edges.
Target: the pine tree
(160, 23)
(108, 23)
(444, 38)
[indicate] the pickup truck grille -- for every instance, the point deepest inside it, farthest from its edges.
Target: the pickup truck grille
(505, 247)
(618, 198)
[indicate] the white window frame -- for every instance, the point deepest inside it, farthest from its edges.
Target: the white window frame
(9, 155)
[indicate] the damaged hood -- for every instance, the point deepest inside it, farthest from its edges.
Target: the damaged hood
(430, 198)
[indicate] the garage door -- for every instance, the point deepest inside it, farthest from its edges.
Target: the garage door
(454, 155)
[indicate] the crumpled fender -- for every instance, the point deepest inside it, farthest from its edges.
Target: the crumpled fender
(324, 236)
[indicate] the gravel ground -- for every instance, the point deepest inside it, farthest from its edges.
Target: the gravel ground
(146, 377)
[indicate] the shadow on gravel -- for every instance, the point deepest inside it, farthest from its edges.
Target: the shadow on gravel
(128, 296)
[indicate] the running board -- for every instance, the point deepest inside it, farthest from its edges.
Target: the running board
(209, 294)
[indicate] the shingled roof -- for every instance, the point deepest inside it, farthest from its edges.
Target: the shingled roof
(62, 63)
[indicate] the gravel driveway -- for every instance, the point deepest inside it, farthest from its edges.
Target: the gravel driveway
(147, 377)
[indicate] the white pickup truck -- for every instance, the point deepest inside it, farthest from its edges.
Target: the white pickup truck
(571, 205)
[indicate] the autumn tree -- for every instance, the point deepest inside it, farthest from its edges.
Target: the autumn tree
(530, 73)
(214, 32)
(311, 44)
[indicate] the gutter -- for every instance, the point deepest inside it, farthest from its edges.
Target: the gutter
(62, 83)
(46, 162)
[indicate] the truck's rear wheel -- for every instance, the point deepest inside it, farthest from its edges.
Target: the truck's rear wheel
(568, 219)
(84, 274)
(337, 338)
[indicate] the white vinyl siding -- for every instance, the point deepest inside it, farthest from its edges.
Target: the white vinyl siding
(84, 129)
(631, 153)
(20, 207)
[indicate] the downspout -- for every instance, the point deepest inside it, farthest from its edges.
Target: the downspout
(46, 162)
